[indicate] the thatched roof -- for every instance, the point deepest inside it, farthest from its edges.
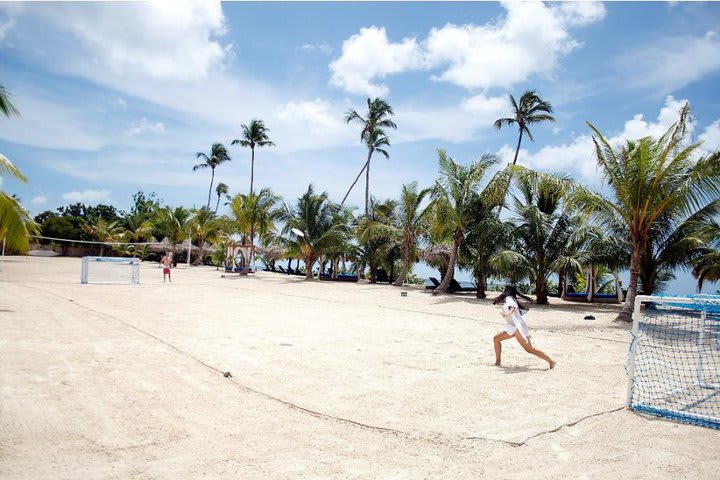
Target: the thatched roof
(435, 253)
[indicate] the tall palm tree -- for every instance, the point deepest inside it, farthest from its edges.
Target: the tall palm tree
(221, 190)
(377, 239)
(531, 109)
(314, 216)
(648, 179)
(376, 120)
(707, 266)
(453, 198)
(254, 135)
(218, 155)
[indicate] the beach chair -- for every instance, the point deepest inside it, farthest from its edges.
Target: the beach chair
(456, 287)
(435, 283)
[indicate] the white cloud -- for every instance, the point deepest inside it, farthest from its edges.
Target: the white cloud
(637, 127)
(322, 124)
(87, 196)
(166, 40)
(145, 126)
(711, 137)
(671, 63)
(369, 55)
(529, 40)
(320, 47)
(39, 200)
(5, 27)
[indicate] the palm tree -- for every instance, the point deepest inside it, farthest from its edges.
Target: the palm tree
(377, 238)
(254, 214)
(221, 190)
(6, 106)
(138, 232)
(543, 227)
(106, 232)
(175, 223)
(254, 135)
(203, 227)
(531, 109)
(373, 135)
(314, 216)
(218, 155)
(453, 198)
(648, 180)
(408, 226)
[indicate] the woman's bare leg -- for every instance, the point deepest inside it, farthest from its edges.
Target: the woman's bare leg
(530, 349)
(498, 348)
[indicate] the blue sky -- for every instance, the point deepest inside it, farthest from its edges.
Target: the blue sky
(117, 97)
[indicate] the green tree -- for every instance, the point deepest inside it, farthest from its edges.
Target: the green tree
(453, 198)
(218, 155)
(373, 134)
(175, 223)
(647, 180)
(314, 217)
(254, 215)
(531, 109)
(221, 190)
(204, 227)
(254, 135)
(106, 232)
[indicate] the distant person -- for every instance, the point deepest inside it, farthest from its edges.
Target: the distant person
(515, 326)
(166, 263)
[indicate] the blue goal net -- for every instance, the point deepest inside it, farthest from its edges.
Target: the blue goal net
(674, 360)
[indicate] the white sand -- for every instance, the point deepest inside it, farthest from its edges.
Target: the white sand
(328, 380)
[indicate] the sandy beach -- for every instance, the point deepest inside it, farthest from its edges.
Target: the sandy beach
(326, 380)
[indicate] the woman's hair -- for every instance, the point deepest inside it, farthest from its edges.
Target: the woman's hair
(511, 291)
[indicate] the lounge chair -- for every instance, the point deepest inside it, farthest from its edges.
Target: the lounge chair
(456, 287)
(435, 283)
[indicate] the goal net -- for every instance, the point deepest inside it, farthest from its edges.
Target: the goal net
(674, 360)
(110, 270)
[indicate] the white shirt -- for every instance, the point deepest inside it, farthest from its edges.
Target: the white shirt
(514, 321)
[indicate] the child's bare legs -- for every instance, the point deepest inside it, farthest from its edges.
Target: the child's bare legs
(530, 349)
(498, 347)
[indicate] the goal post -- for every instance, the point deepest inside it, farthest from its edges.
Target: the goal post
(110, 270)
(674, 358)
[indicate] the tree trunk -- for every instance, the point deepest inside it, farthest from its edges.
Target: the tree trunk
(450, 273)
(358, 177)
(517, 150)
(309, 262)
(625, 314)
(367, 186)
(480, 284)
(405, 267)
(541, 289)
(217, 204)
(212, 180)
(252, 168)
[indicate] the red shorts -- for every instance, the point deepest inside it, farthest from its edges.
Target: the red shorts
(166, 271)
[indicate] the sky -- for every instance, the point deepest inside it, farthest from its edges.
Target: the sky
(120, 97)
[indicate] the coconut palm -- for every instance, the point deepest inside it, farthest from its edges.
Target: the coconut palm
(453, 198)
(204, 227)
(376, 120)
(106, 232)
(6, 106)
(221, 190)
(543, 227)
(254, 215)
(531, 109)
(408, 225)
(376, 237)
(218, 155)
(648, 179)
(254, 135)
(174, 222)
(138, 232)
(313, 216)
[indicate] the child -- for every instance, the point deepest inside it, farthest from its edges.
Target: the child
(515, 326)
(166, 262)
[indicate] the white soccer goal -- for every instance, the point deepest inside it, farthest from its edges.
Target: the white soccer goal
(674, 359)
(110, 270)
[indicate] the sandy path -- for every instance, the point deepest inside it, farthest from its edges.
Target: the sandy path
(328, 381)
